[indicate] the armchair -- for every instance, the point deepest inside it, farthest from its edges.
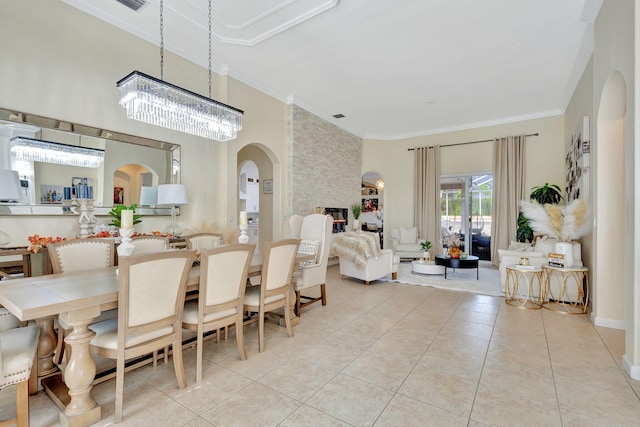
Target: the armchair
(314, 232)
(361, 257)
(406, 243)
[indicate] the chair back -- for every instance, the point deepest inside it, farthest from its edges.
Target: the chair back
(81, 254)
(295, 224)
(223, 277)
(204, 240)
(151, 292)
(146, 244)
(318, 227)
(277, 268)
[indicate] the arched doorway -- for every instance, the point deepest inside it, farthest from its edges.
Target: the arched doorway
(610, 207)
(257, 162)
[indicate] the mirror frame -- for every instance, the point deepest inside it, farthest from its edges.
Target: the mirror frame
(76, 128)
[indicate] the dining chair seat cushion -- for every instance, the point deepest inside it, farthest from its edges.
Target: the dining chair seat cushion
(252, 297)
(17, 349)
(107, 335)
(190, 314)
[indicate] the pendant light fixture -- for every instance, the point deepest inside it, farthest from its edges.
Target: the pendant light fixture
(157, 102)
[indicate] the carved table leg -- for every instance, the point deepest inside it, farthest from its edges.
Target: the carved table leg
(46, 346)
(82, 410)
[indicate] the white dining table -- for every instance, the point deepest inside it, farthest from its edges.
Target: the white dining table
(78, 298)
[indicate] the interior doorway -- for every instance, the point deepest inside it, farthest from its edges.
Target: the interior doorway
(249, 196)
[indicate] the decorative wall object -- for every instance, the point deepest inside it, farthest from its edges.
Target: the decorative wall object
(369, 205)
(577, 162)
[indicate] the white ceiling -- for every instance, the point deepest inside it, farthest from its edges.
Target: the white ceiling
(395, 69)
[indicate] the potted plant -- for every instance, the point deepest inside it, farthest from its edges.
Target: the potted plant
(425, 246)
(116, 212)
(356, 210)
(543, 194)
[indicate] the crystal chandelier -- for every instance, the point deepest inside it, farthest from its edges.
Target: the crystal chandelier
(38, 150)
(157, 102)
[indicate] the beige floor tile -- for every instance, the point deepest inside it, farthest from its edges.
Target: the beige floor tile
(255, 404)
(407, 412)
(621, 406)
(306, 416)
(521, 380)
(454, 363)
(351, 400)
(382, 369)
(456, 342)
(502, 408)
(298, 379)
(445, 391)
(468, 328)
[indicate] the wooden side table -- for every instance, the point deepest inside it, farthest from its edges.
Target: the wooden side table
(515, 295)
(574, 279)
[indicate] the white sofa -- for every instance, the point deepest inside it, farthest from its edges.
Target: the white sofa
(538, 255)
(405, 242)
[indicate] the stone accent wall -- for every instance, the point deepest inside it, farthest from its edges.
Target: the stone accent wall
(324, 164)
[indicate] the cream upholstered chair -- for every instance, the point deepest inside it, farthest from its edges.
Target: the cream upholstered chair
(151, 290)
(273, 292)
(18, 350)
(79, 255)
(314, 232)
(405, 242)
(223, 280)
(203, 240)
(7, 320)
(146, 244)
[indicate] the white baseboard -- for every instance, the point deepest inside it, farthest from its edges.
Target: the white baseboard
(609, 323)
(632, 370)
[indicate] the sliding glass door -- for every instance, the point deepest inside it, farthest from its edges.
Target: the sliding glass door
(466, 211)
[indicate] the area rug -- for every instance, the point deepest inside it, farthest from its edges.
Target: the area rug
(458, 280)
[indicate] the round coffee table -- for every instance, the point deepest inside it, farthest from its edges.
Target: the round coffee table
(448, 262)
(424, 268)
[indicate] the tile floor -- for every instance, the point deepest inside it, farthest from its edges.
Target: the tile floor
(390, 354)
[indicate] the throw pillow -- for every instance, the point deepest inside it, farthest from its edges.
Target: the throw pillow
(408, 235)
(308, 247)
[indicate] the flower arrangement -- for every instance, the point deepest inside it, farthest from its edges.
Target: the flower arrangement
(564, 223)
(37, 242)
(453, 242)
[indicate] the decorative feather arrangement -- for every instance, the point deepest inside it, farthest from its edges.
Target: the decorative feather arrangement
(564, 223)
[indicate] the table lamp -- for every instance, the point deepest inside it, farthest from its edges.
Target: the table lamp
(172, 195)
(148, 196)
(9, 192)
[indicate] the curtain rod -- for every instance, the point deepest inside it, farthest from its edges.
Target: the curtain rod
(468, 142)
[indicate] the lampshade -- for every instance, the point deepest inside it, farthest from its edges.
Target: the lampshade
(10, 189)
(148, 196)
(172, 194)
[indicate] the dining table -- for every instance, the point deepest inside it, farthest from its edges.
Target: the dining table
(78, 298)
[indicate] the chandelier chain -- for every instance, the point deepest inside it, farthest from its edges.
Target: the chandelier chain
(161, 40)
(209, 48)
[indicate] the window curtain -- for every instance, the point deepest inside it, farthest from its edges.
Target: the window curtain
(427, 195)
(508, 190)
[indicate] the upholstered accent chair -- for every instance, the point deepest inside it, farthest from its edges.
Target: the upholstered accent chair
(18, 350)
(405, 242)
(146, 244)
(151, 291)
(223, 280)
(273, 292)
(80, 255)
(314, 232)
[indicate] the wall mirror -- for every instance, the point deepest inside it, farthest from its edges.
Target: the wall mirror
(129, 163)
